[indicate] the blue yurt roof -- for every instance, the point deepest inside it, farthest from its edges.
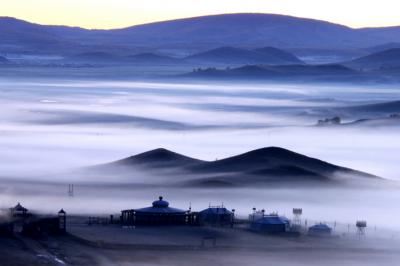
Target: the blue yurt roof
(320, 226)
(216, 211)
(160, 207)
(271, 220)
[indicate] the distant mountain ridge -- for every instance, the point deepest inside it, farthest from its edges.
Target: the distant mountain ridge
(266, 71)
(154, 58)
(381, 47)
(222, 55)
(228, 54)
(94, 57)
(283, 55)
(103, 57)
(387, 58)
(241, 29)
(377, 110)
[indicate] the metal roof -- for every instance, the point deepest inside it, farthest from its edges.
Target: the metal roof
(219, 211)
(271, 220)
(320, 226)
(166, 210)
(18, 207)
(160, 207)
(160, 203)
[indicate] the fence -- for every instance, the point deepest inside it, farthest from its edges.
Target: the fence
(12, 256)
(211, 248)
(97, 220)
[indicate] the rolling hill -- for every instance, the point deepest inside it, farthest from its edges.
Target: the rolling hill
(377, 122)
(198, 33)
(231, 55)
(383, 33)
(262, 71)
(261, 166)
(158, 158)
(365, 111)
(257, 161)
(3, 59)
(20, 32)
(280, 54)
(95, 57)
(387, 58)
(150, 58)
(275, 30)
(102, 57)
(381, 47)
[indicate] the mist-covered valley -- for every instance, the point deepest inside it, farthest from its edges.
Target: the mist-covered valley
(53, 127)
(240, 138)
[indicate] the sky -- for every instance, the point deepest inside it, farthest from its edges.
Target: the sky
(109, 14)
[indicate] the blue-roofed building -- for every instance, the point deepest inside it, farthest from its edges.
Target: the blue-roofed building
(271, 224)
(217, 214)
(159, 214)
(320, 230)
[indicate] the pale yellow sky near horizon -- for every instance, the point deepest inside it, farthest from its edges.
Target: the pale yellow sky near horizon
(109, 14)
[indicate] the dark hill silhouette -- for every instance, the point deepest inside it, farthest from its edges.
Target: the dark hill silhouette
(317, 52)
(242, 29)
(385, 58)
(256, 71)
(383, 33)
(154, 158)
(272, 165)
(262, 71)
(102, 57)
(286, 175)
(150, 58)
(230, 55)
(377, 110)
(259, 166)
(389, 107)
(381, 47)
(379, 122)
(266, 158)
(20, 32)
(387, 121)
(255, 28)
(289, 171)
(333, 69)
(95, 57)
(283, 55)
(3, 59)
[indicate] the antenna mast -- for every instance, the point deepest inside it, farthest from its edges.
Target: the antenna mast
(71, 190)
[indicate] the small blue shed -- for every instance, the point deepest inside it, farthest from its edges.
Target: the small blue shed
(320, 230)
(216, 215)
(270, 224)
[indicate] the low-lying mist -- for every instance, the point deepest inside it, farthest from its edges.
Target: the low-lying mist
(49, 128)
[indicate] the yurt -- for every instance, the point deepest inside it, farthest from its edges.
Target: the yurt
(270, 224)
(319, 230)
(216, 215)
